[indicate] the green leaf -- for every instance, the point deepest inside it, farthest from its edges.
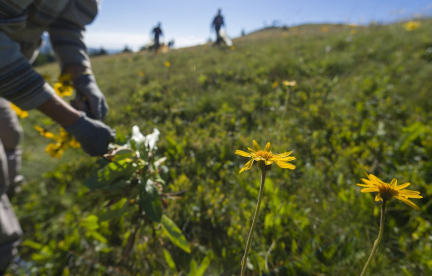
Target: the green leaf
(150, 200)
(193, 268)
(116, 213)
(411, 134)
(364, 127)
(90, 223)
(169, 260)
(175, 234)
(203, 267)
(110, 173)
(97, 236)
(32, 244)
(124, 153)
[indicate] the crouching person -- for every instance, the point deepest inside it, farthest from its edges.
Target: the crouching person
(22, 23)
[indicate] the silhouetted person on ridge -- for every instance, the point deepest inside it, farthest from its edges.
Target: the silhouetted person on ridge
(218, 22)
(157, 33)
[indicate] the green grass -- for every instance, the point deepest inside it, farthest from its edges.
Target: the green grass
(363, 106)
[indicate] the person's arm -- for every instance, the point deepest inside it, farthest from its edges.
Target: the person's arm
(66, 35)
(19, 83)
(58, 110)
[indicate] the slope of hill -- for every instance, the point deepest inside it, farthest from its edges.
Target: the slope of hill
(362, 103)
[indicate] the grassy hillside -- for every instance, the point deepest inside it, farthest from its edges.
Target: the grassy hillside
(361, 104)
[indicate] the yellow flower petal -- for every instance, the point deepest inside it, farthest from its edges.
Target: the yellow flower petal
(242, 153)
(409, 203)
(48, 135)
(289, 83)
(251, 150)
(393, 183)
(369, 190)
(267, 146)
(247, 166)
(284, 165)
(402, 186)
(284, 159)
(268, 162)
(283, 154)
(409, 192)
(377, 197)
(365, 185)
(256, 146)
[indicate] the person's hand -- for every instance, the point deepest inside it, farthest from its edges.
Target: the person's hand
(89, 98)
(94, 136)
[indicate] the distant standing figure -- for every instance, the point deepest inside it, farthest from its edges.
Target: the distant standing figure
(157, 33)
(218, 22)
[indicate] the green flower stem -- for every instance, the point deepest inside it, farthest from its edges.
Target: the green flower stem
(248, 244)
(378, 240)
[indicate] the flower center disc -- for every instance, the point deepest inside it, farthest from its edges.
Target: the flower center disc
(387, 192)
(264, 154)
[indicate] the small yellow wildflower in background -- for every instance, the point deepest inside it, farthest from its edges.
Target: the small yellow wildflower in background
(61, 142)
(141, 74)
(167, 64)
(233, 47)
(63, 87)
(55, 150)
(412, 25)
(19, 112)
(324, 29)
(44, 132)
(389, 191)
(74, 143)
(289, 83)
(353, 31)
(275, 84)
(267, 156)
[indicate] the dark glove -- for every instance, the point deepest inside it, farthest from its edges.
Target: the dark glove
(87, 90)
(94, 136)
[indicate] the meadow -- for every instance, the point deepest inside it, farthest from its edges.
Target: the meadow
(362, 103)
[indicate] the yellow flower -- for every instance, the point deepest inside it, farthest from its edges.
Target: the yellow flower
(267, 156)
(74, 143)
(44, 133)
(389, 191)
(19, 112)
(63, 90)
(63, 136)
(167, 64)
(275, 84)
(412, 25)
(233, 47)
(289, 83)
(55, 149)
(141, 74)
(353, 31)
(324, 29)
(63, 87)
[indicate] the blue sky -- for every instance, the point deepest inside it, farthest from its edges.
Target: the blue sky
(129, 22)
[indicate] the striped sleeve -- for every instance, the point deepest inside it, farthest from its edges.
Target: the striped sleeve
(67, 32)
(19, 83)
